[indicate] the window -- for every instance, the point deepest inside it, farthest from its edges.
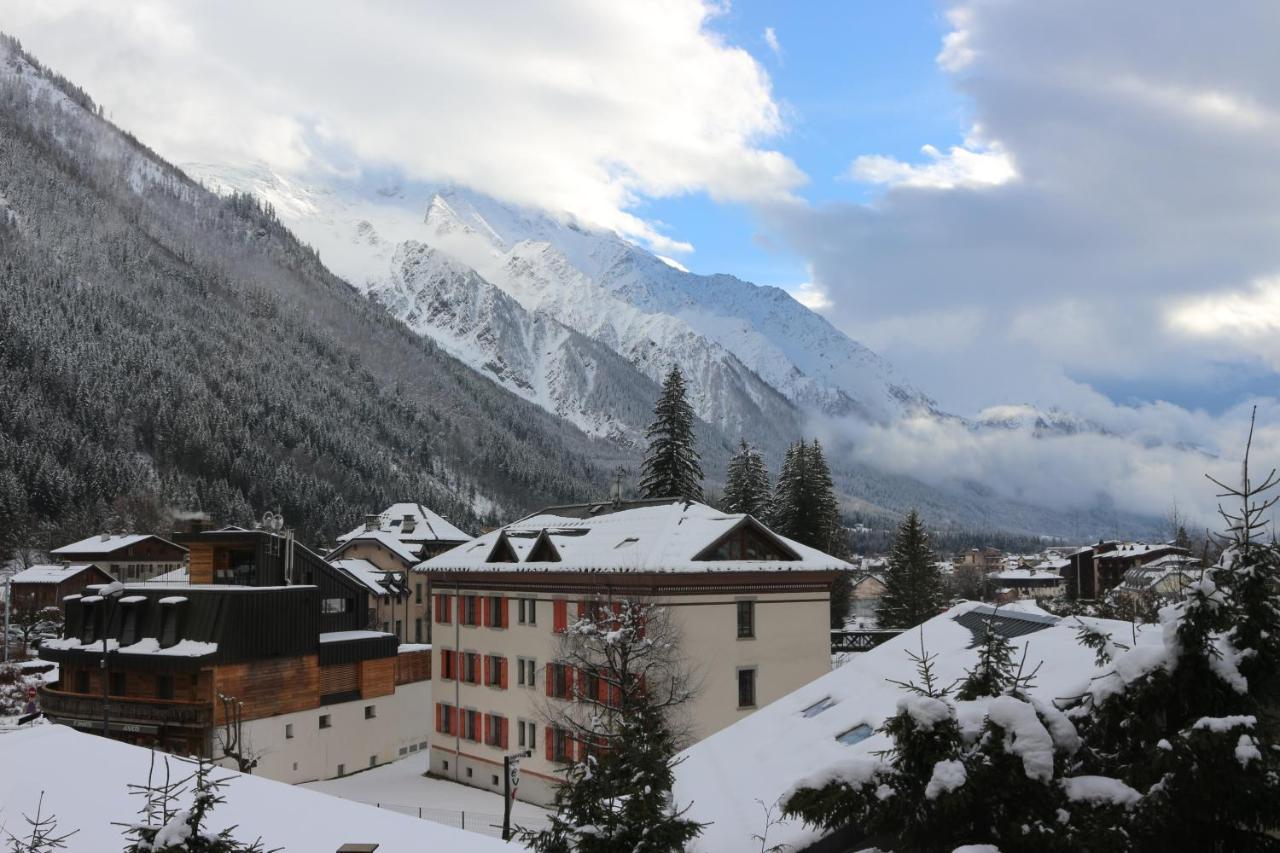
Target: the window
(471, 667)
(468, 772)
(288, 731)
(335, 605)
(527, 611)
(561, 745)
(164, 686)
(559, 680)
(497, 612)
(525, 672)
(324, 721)
(471, 725)
(856, 734)
(470, 610)
(129, 628)
(446, 719)
(118, 684)
(417, 630)
(818, 707)
(527, 732)
(373, 761)
(399, 628)
(746, 620)
(82, 681)
(495, 670)
(448, 667)
(90, 614)
(417, 594)
(342, 770)
(370, 712)
(746, 688)
(495, 731)
(495, 781)
(444, 609)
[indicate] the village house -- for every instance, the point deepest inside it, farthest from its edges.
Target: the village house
(864, 597)
(752, 610)
(46, 585)
(128, 557)
(1026, 581)
(1162, 580)
(393, 542)
(265, 657)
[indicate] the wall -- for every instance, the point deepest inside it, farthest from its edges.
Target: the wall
(399, 729)
(792, 646)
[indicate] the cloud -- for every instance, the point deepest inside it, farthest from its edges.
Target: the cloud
(568, 106)
(1143, 145)
(771, 39)
(968, 165)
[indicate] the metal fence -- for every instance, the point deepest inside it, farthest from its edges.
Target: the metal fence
(484, 823)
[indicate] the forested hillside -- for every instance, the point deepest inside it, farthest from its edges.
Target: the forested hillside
(163, 349)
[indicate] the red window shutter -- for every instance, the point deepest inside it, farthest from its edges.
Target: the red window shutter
(503, 731)
(551, 679)
(486, 618)
(502, 673)
(560, 614)
(488, 670)
(549, 743)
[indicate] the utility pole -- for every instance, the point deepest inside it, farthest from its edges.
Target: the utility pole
(8, 597)
(510, 780)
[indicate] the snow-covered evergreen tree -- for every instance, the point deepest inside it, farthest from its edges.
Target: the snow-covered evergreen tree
(746, 486)
(913, 587)
(629, 681)
(804, 503)
(169, 826)
(671, 467)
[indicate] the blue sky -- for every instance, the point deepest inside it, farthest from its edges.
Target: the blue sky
(852, 78)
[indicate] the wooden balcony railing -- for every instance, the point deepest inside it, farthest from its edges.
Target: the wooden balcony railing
(57, 703)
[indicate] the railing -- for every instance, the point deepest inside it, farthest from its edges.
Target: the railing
(861, 640)
(481, 822)
(56, 703)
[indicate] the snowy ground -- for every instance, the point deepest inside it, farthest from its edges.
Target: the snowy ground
(401, 787)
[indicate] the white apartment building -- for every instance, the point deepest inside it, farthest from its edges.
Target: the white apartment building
(752, 609)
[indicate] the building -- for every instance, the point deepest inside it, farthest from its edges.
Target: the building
(129, 557)
(1162, 580)
(1045, 581)
(264, 656)
(395, 541)
(46, 585)
(752, 607)
(728, 779)
(984, 559)
(1081, 571)
(864, 597)
(395, 606)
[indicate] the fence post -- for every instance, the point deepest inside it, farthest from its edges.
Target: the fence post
(464, 820)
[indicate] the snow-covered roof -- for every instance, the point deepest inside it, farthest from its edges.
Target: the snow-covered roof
(106, 544)
(1127, 550)
(364, 572)
(84, 779)
(422, 525)
(50, 573)
(758, 759)
(1026, 574)
(348, 636)
(410, 552)
(657, 538)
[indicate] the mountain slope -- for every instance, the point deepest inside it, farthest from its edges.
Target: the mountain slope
(165, 348)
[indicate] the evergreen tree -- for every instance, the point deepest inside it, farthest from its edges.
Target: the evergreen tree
(170, 827)
(993, 674)
(828, 530)
(804, 505)
(618, 795)
(913, 586)
(747, 483)
(671, 468)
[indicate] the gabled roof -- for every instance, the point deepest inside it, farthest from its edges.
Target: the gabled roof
(425, 526)
(367, 574)
(656, 537)
(758, 759)
(51, 573)
(407, 552)
(107, 544)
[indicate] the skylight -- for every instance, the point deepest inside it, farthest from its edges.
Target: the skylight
(818, 707)
(857, 734)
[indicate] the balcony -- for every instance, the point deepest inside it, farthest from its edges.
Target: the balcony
(136, 712)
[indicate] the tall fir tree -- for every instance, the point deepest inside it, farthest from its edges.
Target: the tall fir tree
(913, 586)
(804, 504)
(747, 483)
(671, 465)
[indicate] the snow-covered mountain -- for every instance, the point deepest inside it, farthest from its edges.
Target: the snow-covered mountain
(538, 302)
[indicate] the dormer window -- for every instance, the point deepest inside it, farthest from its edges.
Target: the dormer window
(747, 541)
(130, 628)
(170, 619)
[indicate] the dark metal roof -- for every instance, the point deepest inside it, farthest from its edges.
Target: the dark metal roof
(590, 510)
(1007, 623)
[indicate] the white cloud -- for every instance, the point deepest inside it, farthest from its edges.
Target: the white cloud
(585, 108)
(771, 39)
(811, 296)
(969, 165)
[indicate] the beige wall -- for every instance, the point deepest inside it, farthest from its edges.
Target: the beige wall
(400, 727)
(791, 647)
(386, 613)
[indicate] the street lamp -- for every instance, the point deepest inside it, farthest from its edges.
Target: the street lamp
(108, 593)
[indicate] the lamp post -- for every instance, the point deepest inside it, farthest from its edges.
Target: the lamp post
(109, 593)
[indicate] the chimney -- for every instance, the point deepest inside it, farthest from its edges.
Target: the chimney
(371, 522)
(408, 524)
